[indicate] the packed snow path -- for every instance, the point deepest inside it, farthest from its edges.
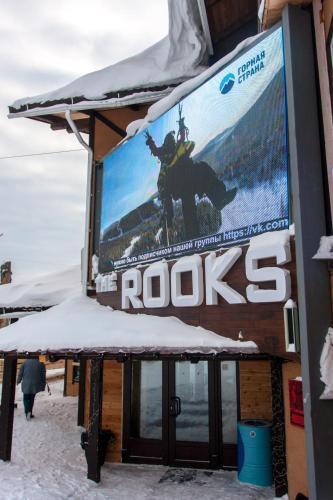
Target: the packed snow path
(48, 463)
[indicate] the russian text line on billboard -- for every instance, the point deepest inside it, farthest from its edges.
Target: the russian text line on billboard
(213, 169)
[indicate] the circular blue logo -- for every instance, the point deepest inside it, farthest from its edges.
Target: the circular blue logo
(227, 83)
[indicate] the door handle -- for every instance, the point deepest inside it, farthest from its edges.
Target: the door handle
(178, 406)
(175, 406)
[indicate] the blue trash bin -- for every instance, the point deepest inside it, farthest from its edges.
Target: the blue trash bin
(254, 451)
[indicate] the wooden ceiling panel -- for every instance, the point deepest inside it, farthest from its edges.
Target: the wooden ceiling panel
(224, 16)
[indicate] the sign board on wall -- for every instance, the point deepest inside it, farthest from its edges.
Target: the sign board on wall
(211, 171)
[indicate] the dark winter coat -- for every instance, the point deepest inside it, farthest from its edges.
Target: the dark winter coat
(32, 374)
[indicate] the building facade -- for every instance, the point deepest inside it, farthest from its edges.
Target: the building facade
(171, 253)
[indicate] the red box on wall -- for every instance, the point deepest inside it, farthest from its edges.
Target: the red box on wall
(296, 402)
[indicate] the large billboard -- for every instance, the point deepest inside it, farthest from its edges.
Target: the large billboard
(210, 172)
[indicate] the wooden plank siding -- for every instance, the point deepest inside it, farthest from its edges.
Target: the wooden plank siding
(255, 390)
(104, 137)
(273, 10)
(112, 405)
(225, 16)
(71, 389)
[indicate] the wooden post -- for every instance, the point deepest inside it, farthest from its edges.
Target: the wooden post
(278, 431)
(82, 392)
(7, 407)
(95, 416)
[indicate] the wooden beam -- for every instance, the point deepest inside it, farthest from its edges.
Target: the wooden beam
(278, 431)
(95, 417)
(82, 392)
(110, 124)
(7, 407)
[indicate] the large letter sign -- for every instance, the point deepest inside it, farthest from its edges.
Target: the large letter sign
(215, 269)
(131, 293)
(137, 285)
(161, 271)
(281, 277)
(183, 265)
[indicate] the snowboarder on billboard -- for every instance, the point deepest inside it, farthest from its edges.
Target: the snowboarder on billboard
(182, 178)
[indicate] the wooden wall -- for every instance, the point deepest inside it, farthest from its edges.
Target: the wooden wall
(71, 389)
(112, 405)
(104, 137)
(225, 16)
(262, 323)
(255, 390)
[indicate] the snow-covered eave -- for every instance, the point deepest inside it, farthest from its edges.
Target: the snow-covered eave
(147, 352)
(80, 325)
(143, 97)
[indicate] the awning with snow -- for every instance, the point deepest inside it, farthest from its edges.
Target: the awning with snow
(81, 324)
(39, 292)
(177, 57)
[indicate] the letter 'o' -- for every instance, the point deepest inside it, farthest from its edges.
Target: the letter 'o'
(158, 270)
(191, 264)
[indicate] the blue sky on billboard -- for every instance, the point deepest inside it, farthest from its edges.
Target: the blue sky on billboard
(131, 172)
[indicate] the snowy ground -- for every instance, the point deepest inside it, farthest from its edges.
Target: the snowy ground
(48, 463)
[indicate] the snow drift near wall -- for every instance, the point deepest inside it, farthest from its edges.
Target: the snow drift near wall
(81, 323)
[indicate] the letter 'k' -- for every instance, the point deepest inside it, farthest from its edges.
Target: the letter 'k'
(215, 269)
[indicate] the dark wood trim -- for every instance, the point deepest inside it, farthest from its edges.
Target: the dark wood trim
(122, 357)
(65, 378)
(278, 431)
(127, 390)
(109, 123)
(329, 58)
(82, 392)
(92, 200)
(7, 407)
(95, 418)
(215, 416)
(165, 412)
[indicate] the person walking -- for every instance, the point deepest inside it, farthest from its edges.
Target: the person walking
(32, 374)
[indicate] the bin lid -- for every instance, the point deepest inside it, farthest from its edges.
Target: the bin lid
(256, 423)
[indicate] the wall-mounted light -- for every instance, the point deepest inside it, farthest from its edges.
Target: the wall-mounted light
(291, 326)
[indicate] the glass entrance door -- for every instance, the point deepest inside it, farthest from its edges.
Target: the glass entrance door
(143, 415)
(189, 412)
(181, 412)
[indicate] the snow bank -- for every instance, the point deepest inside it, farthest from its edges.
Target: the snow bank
(171, 60)
(82, 323)
(326, 366)
(325, 250)
(47, 290)
(270, 238)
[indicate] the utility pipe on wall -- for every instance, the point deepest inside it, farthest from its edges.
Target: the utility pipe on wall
(84, 264)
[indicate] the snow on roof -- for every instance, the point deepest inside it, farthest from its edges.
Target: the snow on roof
(47, 290)
(173, 59)
(81, 323)
(185, 88)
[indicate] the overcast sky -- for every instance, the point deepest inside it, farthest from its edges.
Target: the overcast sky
(44, 45)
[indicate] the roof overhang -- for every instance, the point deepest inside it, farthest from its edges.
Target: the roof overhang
(17, 314)
(54, 114)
